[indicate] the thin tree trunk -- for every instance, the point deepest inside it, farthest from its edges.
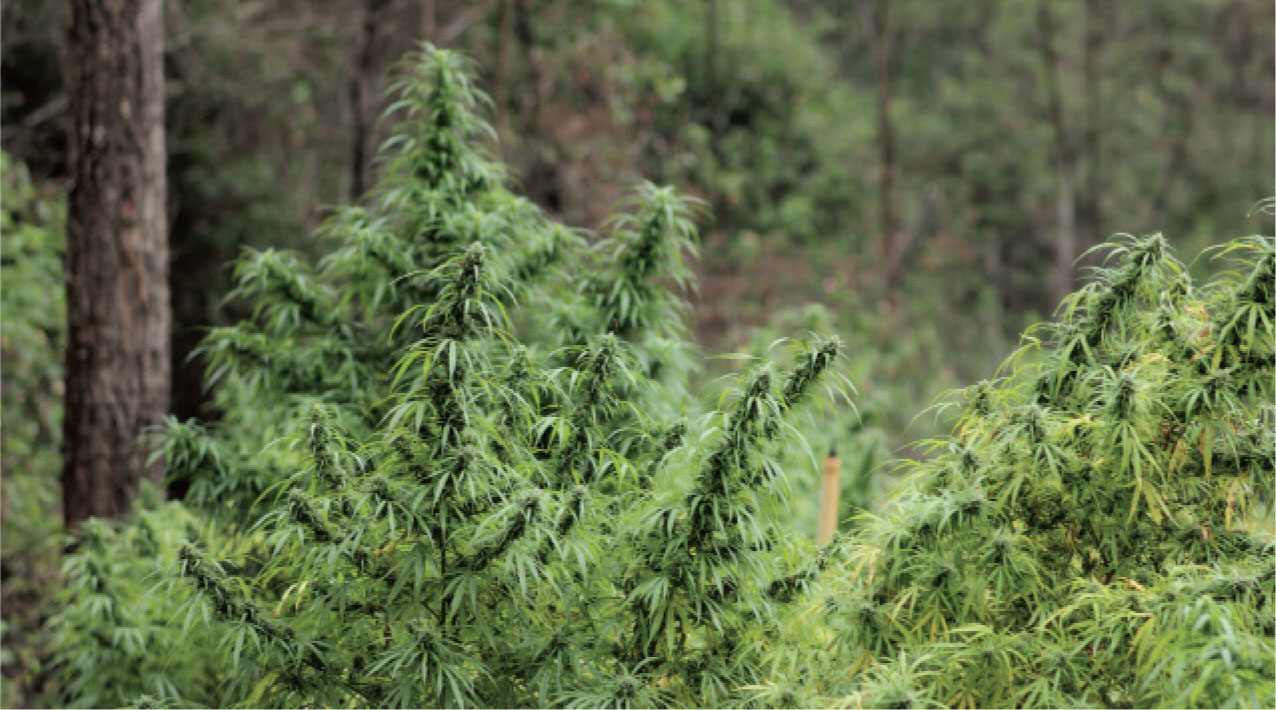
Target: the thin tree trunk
(1065, 159)
(1089, 207)
(504, 52)
(1178, 115)
(1066, 242)
(517, 111)
(713, 80)
(117, 358)
(543, 177)
(362, 100)
(890, 252)
(526, 35)
(429, 20)
(886, 139)
(994, 273)
(981, 197)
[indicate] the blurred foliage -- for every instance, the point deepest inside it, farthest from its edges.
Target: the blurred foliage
(116, 644)
(32, 220)
(1148, 113)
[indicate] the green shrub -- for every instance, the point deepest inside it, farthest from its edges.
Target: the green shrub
(1097, 530)
(457, 466)
(117, 642)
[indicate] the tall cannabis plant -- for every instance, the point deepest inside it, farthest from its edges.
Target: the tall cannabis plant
(452, 471)
(1098, 528)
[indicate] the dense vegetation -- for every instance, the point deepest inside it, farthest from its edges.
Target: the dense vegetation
(459, 463)
(1147, 115)
(954, 153)
(30, 385)
(455, 476)
(1096, 531)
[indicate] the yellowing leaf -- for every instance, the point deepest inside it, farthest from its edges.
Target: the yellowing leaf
(1132, 584)
(260, 689)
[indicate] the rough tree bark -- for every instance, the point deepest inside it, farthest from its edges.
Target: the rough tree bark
(117, 361)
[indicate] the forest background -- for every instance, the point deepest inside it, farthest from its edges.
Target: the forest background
(925, 173)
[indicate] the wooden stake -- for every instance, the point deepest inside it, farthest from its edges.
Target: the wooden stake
(830, 488)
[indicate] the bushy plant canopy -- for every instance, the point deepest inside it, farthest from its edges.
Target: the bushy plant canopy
(458, 466)
(1097, 530)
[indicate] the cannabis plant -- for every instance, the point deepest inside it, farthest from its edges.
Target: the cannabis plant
(32, 225)
(1097, 530)
(458, 465)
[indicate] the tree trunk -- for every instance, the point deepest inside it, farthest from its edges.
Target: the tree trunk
(1064, 152)
(994, 332)
(1065, 252)
(890, 251)
(117, 361)
(429, 20)
(523, 30)
(716, 117)
(501, 89)
(363, 101)
(1089, 204)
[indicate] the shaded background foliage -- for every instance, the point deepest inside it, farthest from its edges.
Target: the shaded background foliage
(1149, 113)
(1017, 127)
(33, 223)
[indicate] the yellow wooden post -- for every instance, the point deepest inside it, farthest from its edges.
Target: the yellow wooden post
(830, 488)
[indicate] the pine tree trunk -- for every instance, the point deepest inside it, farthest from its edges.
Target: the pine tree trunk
(876, 21)
(429, 20)
(1090, 221)
(1065, 156)
(363, 101)
(117, 358)
(1065, 251)
(504, 59)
